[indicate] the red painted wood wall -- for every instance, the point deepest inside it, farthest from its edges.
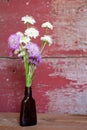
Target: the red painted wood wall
(60, 85)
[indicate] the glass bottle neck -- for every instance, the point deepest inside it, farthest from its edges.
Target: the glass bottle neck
(28, 91)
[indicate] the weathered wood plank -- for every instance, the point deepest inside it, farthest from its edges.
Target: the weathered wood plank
(69, 27)
(10, 121)
(60, 85)
(10, 18)
(68, 18)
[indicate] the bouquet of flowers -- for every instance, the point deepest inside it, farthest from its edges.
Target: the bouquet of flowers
(21, 45)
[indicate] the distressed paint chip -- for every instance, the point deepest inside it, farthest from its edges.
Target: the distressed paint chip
(61, 83)
(68, 100)
(70, 24)
(74, 69)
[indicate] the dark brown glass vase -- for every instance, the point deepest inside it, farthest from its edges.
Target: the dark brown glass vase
(28, 116)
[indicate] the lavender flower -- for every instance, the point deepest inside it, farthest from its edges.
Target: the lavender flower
(14, 41)
(34, 53)
(35, 60)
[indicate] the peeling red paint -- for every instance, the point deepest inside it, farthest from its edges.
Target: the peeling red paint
(56, 87)
(68, 100)
(60, 84)
(70, 27)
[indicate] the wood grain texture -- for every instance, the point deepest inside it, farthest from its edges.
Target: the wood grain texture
(70, 32)
(60, 84)
(10, 121)
(68, 18)
(10, 18)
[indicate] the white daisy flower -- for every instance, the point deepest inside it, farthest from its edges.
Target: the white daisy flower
(24, 39)
(47, 39)
(47, 25)
(28, 19)
(31, 32)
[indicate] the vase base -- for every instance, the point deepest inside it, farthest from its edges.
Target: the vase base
(27, 124)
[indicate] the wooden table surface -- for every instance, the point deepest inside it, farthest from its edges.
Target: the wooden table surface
(10, 121)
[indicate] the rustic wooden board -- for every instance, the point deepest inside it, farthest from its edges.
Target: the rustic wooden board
(68, 18)
(10, 121)
(10, 18)
(60, 85)
(70, 32)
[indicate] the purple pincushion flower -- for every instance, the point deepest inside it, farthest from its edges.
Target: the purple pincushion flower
(14, 42)
(35, 60)
(34, 53)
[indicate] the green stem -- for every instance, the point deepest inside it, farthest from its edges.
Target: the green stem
(26, 70)
(44, 44)
(29, 71)
(26, 66)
